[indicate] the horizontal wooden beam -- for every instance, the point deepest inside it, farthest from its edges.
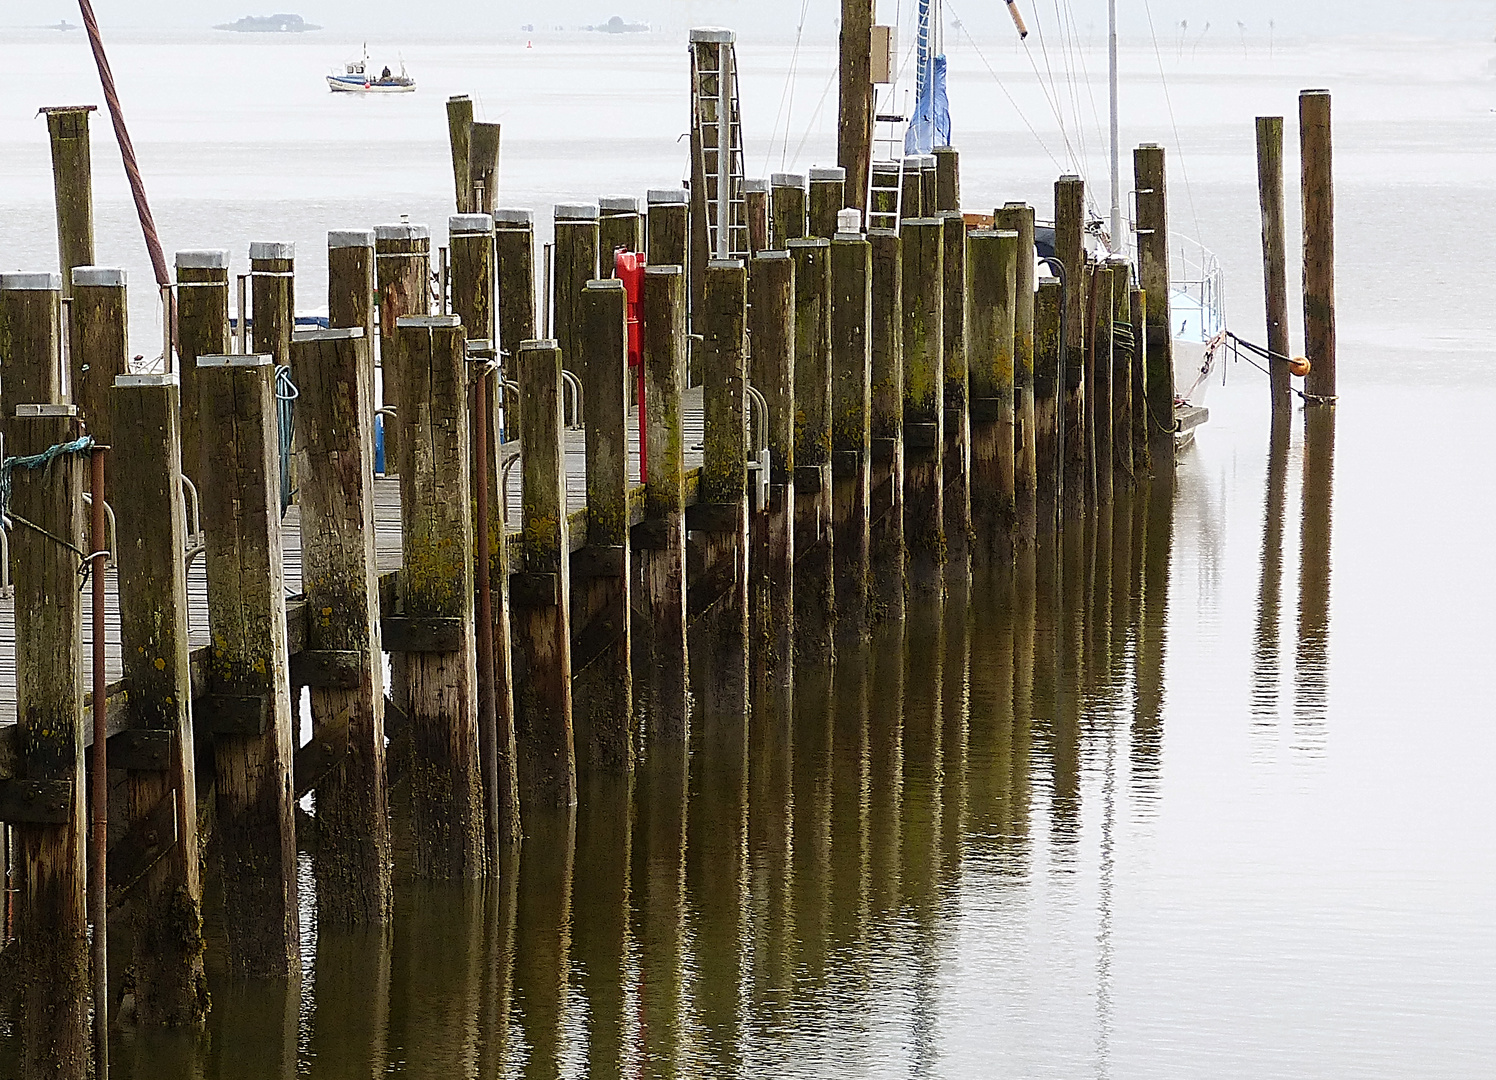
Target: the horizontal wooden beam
(140, 749)
(331, 669)
(231, 714)
(407, 635)
(38, 802)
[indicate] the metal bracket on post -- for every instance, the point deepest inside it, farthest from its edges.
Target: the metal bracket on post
(759, 461)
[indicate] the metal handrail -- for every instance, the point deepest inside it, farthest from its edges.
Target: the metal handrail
(6, 588)
(113, 544)
(504, 467)
(570, 381)
(760, 464)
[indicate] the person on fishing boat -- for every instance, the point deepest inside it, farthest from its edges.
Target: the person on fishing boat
(385, 74)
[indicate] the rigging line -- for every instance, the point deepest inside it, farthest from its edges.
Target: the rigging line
(786, 93)
(810, 128)
(1080, 54)
(1067, 57)
(1179, 146)
(1051, 94)
(789, 112)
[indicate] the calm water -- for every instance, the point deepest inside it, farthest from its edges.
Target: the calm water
(1205, 790)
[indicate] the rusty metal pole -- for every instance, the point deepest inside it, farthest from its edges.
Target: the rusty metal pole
(97, 888)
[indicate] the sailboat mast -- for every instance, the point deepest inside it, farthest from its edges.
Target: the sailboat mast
(1118, 244)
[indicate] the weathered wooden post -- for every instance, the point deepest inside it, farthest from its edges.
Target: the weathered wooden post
(815, 602)
(471, 240)
(99, 345)
(433, 633)
(993, 276)
(771, 371)
(46, 803)
(1274, 256)
(886, 427)
(1141, 426)
(668, 226)
(1047, 432)
(202, 330)
(947, 179)
(1099, 363)
(603, 688)
(924, 405)
(851, 437)
(1316, 155)
(340, 661)
(483, 166)
(756, 203)
(1124, 351)
(166, 909)
(248, 706)
(929, 184)
(72, 185)
(540, 592)
(718, 604)
(854, 130)
(828, 194)
(660, 540)
(460, 136)
(620, 228)
(1153, 278)
(1019, 218)
(787, 207)
(913, 195)
(576, 264)
(1069, 243)
(957, 390)
(350, 283)
(272, 275)
(402, 258)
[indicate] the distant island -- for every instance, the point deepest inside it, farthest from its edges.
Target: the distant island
(616, 25)
(269, 24)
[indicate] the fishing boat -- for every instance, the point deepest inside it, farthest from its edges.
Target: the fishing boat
(357, 78)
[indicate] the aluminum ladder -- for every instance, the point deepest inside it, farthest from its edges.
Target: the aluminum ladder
(717, 143)
(885, 175)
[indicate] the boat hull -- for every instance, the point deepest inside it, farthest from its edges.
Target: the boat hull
(341, 84)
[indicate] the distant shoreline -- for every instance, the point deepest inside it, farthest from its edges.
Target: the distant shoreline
(269, 24)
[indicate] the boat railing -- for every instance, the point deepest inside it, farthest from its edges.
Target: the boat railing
(1196, 272)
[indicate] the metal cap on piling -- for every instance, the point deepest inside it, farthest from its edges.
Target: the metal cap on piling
(350, 238)
(828, 173)
(576, 211)
(514, 216)
(713, 35)
(618, 204)
(667, 196)
(24, 282)
(203, 259)
(787, 179)
(402, 231)
(262, 249)
(469, 224)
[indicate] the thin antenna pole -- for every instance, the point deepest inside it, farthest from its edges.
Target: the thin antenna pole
(1119, 242)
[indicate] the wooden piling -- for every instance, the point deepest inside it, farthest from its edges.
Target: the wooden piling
(787, 208)
(828, 195)
(1316, 155)
(433, 632)
(718, 603)
(1069, 244)
(350, 282)
(1141, 452)
(272, 271)
(248, 707)
(886, 428)
(660, 668)
(756, 202)
(929, 183)
(957, 383)
(912, 196)
(72, 185)
(603, 689)
(1124, 352)
(1274, 257)
(99, 345)
(771, 371)
(992, 277)
(1019, 218)
(341, 661)
(202, 330)
(1047, 403)
(1153, 278)
(924, 405)
(483, 167)
(620, 228)
(668, 226)
(1099, 363)
(855, 98)
(947, 179)
(470, 238)
(540, 592)
(402, 258)
(514, 272)
(851, 433)
(460, 137)
(815, 600)
(31, 330)
(576, 264)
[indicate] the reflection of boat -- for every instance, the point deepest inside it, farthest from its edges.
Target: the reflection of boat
(62, 24)
(358, 79)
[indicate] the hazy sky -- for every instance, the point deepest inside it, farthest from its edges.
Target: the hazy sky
(1471, 19)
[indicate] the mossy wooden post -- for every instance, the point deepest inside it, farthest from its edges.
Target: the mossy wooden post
(341, 658)
(272, 273)
(483, 167)
(1069, 243)
(756, 203)
(1318, 185)
(99, 346)
(540, 590)
(851, 435)
(1141, 451)
(576, 264)
(957, 390)
(1047, 403)
(787, 208)
(433, 633)
(402, 259)
(514, 272)
(886, 428)
(660, 670)
(929, 183)
(1019, 217)
(350, 298)
(1099, 362)
(912, 197)
(248, 705)
(166, 906)
(1274, 257)
(30, 344)
(924, 405)
(620, 227)
(72, 185)
(718, 604)
(947, 179)
(828, 195)
(460, 137)
(992, 276)
(771, 371)
(202, 330)
(1153, 278)
(471, 241)
(815, 598)
(855, 98)
(1123, 351)
(602, 684)
(667, 226)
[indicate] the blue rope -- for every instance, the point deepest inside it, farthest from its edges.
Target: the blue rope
(37, 461)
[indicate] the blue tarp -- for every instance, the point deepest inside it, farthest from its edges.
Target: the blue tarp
(930, 126)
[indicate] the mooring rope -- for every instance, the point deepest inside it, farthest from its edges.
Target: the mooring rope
(1239, 343)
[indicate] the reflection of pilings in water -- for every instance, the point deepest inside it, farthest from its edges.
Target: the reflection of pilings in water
(1311, 675)
(600, 923)
(1099, 604)
(850, 803)
(1074, 590)
(770, 866)
(1025, 594)
(886, 766)
(1104, 904)
(1044, 685)
(436, 966)
(1270, 584)
(351, 985)
(658, 893)
(990, 730)
(496, 995)
(253, 1030)
(542, 961)
(1157, 496)
(811, 842)
(1124, 510)
(955, 699)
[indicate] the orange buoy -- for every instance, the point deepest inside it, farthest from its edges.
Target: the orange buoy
(1298, 366)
